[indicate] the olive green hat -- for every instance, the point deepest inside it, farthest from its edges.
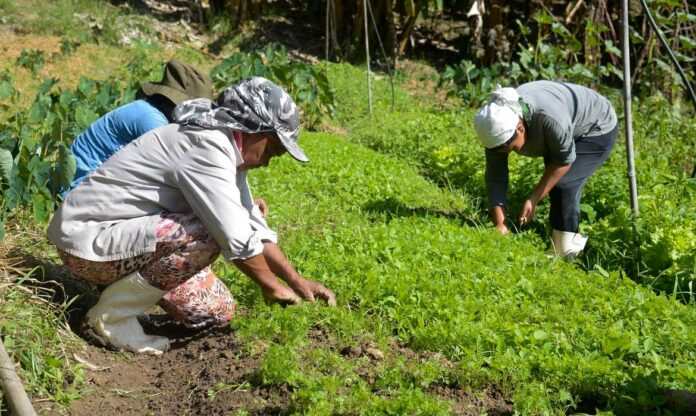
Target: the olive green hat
(180, 82)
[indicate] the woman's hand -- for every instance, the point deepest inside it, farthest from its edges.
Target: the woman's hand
(502, 228)
(311, 290)
(280, 294)
(527, 212)
(263, 206)
(498, 214)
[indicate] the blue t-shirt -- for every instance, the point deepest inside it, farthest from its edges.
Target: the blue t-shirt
(111, 132)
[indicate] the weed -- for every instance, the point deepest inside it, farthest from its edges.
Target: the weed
(33, 60)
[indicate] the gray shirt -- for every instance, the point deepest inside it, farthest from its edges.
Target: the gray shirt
(113, 213)
(560, 114)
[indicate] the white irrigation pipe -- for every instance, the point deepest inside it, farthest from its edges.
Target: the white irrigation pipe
(632, 185)
(16, 396)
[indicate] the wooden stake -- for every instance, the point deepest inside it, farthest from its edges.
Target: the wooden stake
(16, 396)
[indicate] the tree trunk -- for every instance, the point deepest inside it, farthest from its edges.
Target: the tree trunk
(495, 20)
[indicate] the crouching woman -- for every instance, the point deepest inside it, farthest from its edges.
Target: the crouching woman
(148, 223)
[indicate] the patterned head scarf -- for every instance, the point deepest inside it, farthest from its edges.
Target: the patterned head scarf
(496, 122)
(254, 105)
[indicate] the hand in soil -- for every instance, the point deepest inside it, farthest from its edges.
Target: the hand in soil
(311, 290)
(282, 295)
(502, 228)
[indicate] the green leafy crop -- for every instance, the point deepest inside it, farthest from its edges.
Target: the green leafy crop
(307, 84)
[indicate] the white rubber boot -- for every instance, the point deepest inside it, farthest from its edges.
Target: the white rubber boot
(566, 244)
(114, 317)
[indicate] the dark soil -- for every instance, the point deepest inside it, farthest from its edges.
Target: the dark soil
(212, 373)
(209, 372)
(204, 373)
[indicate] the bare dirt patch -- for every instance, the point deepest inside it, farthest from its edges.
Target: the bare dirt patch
(212, 372)
(207, 372)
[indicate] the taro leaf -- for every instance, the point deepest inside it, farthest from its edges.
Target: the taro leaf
(66, 166)
(7, 140)
(47, 85)
(85, 86)
(57, 130)
(5, 165)
(85, 116)
(6, 89)
(39, 208)
(13, 195)
(37, 112)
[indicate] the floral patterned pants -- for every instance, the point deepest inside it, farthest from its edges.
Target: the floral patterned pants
(180, 265)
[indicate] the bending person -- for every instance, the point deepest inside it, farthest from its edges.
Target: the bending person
(572, 127)
(151, 109)
(153, 217)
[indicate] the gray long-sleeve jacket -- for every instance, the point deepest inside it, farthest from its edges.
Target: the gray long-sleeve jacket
(561, 113)
(113, 213)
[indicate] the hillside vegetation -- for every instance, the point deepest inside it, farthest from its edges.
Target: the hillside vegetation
(437, 312)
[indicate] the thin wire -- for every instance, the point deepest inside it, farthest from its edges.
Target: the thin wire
(685, 80)
(384, 53)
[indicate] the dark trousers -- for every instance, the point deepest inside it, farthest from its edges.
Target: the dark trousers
(591, 153)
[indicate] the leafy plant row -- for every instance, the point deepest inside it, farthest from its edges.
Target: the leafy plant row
(442, 143)
(307, 84)
(34, 157)
(451, 304)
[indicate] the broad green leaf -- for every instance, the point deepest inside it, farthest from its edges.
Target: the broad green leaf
(6, 89)
(609, 46)
(540, 335)
(66, 166)
(84, 116)
(686, 17)
(37, 112)
(39, 208)
(85, 85)
(5, 165)
(46, 85)
(686, 42)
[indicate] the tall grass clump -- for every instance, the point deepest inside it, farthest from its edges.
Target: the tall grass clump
(35, 333)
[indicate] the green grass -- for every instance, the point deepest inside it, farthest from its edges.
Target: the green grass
(85, 20)
(35, 335)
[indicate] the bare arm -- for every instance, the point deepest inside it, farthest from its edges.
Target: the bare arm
(305, 288)
(257, 270)
(552, 174)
